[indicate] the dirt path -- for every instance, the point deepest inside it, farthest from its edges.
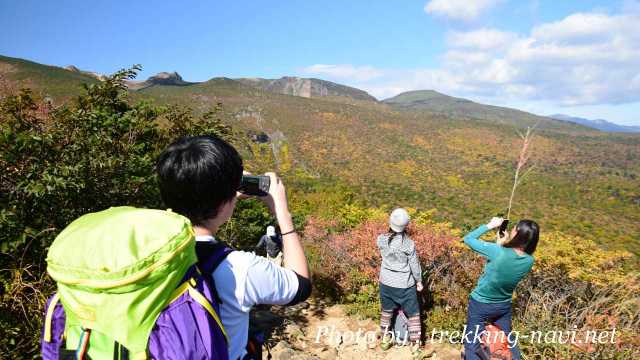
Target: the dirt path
(316, 330)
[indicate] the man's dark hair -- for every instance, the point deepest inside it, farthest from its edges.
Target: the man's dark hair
(527, 235)
(197, 175)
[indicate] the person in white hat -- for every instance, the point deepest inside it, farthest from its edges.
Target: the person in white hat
(272, 242)
(400, 276)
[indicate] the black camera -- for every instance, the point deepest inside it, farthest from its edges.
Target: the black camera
(503, 227)
(255, 185)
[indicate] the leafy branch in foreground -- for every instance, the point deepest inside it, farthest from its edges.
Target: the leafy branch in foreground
(85, 156)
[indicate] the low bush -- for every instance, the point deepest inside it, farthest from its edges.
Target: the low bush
(566, 291)
(57, 164)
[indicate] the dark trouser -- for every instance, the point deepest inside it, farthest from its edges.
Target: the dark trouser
(391, 299)
(478, 314)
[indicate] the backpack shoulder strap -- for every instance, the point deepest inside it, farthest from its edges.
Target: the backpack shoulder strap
(211, 254)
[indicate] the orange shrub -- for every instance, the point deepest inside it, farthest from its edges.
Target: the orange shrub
(351, 259)
(347, 263)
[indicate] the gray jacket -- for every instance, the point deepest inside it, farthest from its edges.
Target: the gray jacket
(273, 244)
(400, 266)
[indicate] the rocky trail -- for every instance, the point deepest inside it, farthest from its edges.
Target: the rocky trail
(316, 330)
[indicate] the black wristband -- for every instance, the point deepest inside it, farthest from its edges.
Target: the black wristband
(290, 232)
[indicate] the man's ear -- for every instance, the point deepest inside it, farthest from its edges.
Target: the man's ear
(226, 209)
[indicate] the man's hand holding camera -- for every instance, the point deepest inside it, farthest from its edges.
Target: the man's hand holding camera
(276, 201)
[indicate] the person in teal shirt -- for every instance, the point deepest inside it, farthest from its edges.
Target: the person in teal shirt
(507, 264)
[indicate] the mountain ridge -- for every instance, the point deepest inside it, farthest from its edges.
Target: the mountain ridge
(96, 75)
(599, 124)
(419, 100)
(415, 100)
(53, 82)
(286, 85)
(307, 87)
(436, 102)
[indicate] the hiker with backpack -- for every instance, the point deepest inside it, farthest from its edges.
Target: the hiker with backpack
(272, 242)
(199, 177)
(156, 284)
(507, 264)
(129, 286)
(400, 278)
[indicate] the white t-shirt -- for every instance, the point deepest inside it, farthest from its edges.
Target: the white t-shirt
(244, 280)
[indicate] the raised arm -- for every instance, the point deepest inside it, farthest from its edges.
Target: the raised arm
(486, 249)
(271, 284)
(292, 251)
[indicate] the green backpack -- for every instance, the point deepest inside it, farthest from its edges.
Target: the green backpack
(116, 271)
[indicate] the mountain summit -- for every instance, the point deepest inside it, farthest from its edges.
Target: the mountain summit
(161, 78)
(167, 78)
(435, 102)
(306, 87)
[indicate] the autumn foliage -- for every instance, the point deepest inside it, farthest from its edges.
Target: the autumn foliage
(564, 291)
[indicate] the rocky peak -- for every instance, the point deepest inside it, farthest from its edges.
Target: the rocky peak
(307, 87)
(161, 78)
(166, 78)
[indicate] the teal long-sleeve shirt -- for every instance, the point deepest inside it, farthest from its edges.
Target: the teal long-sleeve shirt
(502, 272)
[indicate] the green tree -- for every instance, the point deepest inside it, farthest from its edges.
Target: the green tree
(57, 164)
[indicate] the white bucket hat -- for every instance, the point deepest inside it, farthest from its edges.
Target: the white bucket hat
(399, 219)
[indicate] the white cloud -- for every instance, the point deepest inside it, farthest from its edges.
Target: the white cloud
(482, 39)
(465, 10)
(587, 28)
(583, 59)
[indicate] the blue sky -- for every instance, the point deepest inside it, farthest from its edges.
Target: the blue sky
(576, 57)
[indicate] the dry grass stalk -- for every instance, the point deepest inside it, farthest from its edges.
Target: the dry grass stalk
(521, 168)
